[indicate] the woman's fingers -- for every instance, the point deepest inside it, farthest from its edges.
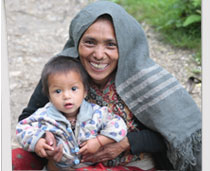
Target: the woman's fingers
(82, 150)
(108, 152)
(48, 147)
(50, 139)
(84, 143)
(100, 156)
(59, 153)
(51, 153)
(94, 159)
(43, 153)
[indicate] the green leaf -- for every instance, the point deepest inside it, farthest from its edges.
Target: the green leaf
(191, 19)
(198, 11)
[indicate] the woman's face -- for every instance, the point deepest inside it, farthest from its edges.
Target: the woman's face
(98, 51)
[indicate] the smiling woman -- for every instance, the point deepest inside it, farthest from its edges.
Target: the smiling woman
(98, 50)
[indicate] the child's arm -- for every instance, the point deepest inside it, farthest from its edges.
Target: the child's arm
(113, 126)
(28, 133)
(93, 145)
(31, 138)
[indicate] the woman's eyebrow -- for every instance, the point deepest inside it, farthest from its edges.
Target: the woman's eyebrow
(88, 37)
(92, 38)
(111, 40)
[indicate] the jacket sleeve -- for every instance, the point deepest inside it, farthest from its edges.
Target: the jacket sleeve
(37, 100)
(113, 125)
(28, 133)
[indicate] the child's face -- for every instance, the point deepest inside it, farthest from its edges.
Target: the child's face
(66, 91)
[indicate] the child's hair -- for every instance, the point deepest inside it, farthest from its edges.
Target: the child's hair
(62, 64)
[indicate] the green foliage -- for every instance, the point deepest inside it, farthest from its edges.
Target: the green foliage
(188, 12)
(178, 20)
(191, 19)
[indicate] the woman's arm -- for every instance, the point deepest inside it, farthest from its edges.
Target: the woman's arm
(37, 100)
(137, 142)
(146, 141)
(92, 145)
(107, 152)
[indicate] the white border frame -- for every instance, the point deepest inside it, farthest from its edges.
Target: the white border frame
(205, 85)
(6, 163)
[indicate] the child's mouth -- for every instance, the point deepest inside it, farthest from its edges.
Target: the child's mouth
(68, 105)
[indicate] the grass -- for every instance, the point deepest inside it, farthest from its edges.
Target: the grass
(163, 15)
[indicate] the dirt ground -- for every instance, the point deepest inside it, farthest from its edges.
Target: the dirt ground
(38, 29)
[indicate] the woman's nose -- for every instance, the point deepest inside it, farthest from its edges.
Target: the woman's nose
(99, 53)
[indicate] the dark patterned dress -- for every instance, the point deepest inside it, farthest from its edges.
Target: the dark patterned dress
(108, 97)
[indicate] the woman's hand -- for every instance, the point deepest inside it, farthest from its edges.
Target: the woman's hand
(107, 152)
(57, 152)
(54, 155)
(89, 147)
(41, 147)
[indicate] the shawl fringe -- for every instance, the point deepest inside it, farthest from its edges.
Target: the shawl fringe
(184, 156)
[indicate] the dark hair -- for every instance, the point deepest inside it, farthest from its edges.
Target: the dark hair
(62, 64)
(106, 17)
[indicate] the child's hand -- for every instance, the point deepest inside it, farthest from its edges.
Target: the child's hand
(89, 146)
(41, 147)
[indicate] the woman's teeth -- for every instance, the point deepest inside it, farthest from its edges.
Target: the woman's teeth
(98, 66)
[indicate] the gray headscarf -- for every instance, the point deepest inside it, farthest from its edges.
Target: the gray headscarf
(153, 95)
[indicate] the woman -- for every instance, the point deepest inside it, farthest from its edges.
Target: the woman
(161, 117)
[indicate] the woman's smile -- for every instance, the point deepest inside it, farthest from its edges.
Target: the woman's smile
(99, 67)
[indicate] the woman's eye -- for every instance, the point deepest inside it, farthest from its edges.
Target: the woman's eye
(74, 88)
(58, 91)
(112, 45)
(89, 42)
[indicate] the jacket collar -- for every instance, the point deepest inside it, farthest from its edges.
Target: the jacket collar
(85, 112)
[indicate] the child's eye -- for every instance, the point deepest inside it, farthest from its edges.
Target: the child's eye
(58, 91)
(74, 88)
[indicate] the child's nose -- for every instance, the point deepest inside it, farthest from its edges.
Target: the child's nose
(67, 95)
